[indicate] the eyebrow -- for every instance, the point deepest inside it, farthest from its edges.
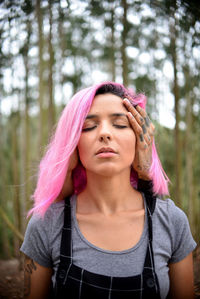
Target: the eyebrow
(91, 116)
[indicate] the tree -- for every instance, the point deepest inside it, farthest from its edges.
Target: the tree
(124, 44)
(51, 63)
(39, 16)
(173, 48)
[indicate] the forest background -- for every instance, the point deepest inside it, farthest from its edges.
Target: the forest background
(51, 49)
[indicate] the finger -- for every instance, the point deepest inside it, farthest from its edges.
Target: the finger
(142, 118)
(152, 130)
(148, 123)
(141, 111)
(142, 138)
(127, 103)
(142, 135)
(135, 113)
(148, 139)
(144, 115)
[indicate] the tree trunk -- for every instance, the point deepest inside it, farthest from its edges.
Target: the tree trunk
(4, 231)
(189, 140)
(15, 181)
(62, 50)
(51, 108)
(123, 47)
(11, 225)
(189, 162)
(113, 66)
(26, 143)
(173, 36)
(41, 138)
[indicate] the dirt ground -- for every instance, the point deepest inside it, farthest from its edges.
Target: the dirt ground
(197, 272)
(11, 278)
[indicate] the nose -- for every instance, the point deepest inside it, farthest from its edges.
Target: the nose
(105, 138)
(105, 133)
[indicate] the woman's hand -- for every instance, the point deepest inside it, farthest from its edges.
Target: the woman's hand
(68, 188)
(144, 131)
(73, 161)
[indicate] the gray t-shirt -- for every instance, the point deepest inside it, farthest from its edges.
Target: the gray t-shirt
(172, 241)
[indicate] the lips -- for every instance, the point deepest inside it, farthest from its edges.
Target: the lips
(105, 150)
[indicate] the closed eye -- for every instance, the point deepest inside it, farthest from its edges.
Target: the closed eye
(120, 126)
(88, 129)
(91, 128)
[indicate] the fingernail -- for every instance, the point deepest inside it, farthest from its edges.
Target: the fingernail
(126, 100)
(130, 114)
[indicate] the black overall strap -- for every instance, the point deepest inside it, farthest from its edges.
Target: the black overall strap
(146, 187)
(66, 245)
(149, 265)
(75, 282)
(150, 231)
(66, 240)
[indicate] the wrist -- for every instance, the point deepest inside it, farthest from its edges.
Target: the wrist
(69, 173)
(144, 177)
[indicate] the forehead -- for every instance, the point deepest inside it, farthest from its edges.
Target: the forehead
(107, 103)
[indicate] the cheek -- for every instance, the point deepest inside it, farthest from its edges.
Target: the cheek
(83, 150)
(129, 146)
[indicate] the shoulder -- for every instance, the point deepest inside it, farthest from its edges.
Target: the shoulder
(54, 213)
(172, 216)
(172, 222)
(167, 207)
(42, 234)
(40, 229)
(53, 217)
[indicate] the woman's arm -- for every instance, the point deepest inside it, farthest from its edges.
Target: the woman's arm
(37, 280)
(182, 279)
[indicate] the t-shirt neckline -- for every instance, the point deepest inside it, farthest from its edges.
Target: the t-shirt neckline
(133, 248)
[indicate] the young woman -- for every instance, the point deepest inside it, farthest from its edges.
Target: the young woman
(109, 239)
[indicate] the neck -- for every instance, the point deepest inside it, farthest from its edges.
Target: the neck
(109, 194)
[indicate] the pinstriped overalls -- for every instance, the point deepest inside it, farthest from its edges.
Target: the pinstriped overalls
(73, 282)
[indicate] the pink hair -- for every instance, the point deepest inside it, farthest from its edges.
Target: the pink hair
(53, 167)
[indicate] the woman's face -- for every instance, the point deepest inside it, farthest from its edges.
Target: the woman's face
(107, 142)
